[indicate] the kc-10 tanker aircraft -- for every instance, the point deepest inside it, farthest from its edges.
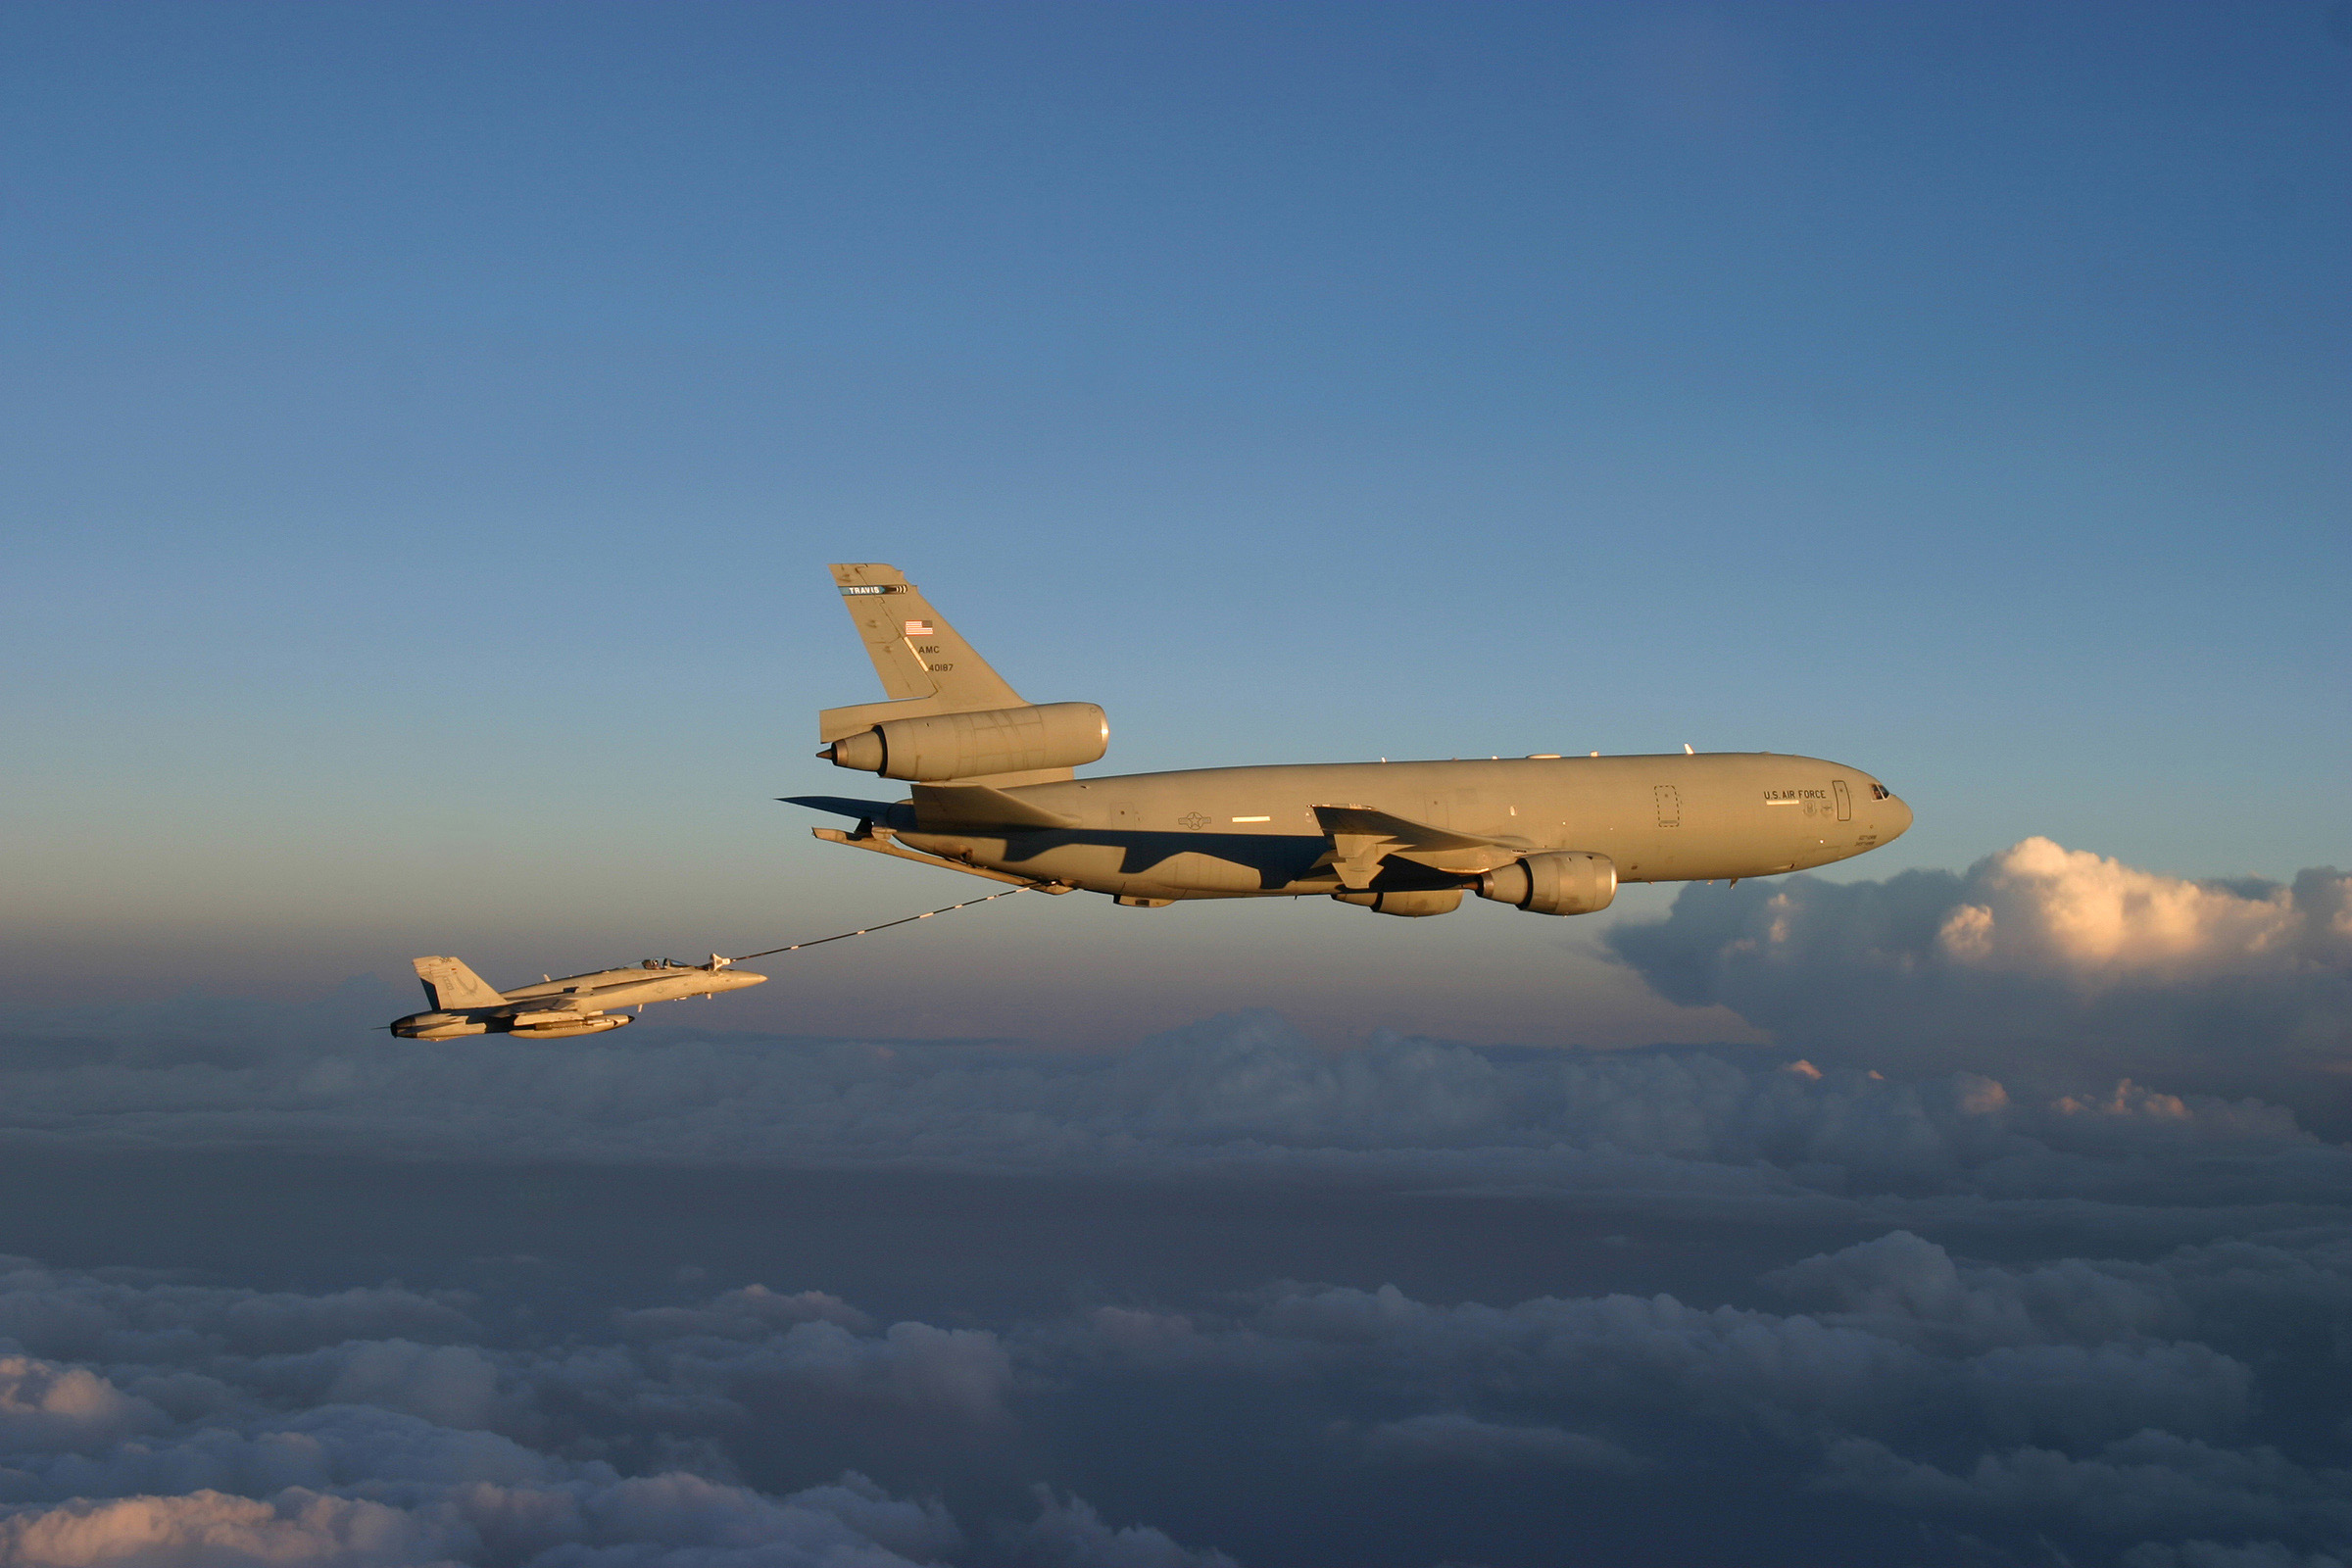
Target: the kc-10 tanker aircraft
(463, 1004)
(993, 794)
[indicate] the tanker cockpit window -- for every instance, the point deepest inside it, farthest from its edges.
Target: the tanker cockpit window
(1879, 792)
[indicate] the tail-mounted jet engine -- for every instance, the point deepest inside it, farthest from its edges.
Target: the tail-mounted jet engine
(995, 740)
(1560, 882)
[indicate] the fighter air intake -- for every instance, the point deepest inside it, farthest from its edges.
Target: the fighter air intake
(1561, 882)
(995, 740)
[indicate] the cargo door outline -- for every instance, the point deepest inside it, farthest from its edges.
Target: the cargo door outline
(1845, 800)
(1670, 804)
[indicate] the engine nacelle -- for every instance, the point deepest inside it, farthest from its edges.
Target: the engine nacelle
(995, 740)
(1558, 882)
(1410, 903)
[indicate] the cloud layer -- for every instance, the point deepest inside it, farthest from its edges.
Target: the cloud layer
(333, 1439)
(2040, 961)
(2087, 1291)
(2191, 1404)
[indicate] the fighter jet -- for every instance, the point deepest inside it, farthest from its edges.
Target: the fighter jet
(994, 792)
(557, 1009)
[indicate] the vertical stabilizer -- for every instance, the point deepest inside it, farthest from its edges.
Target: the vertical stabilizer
(451, 987)
(918, 654)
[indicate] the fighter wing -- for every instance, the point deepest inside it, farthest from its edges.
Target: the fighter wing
(1361, 837)
(561, 1005)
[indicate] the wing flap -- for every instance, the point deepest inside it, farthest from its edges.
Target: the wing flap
(1362, 836)
(1408, 834)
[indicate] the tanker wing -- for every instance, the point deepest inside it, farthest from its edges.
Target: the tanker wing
(1361, 837)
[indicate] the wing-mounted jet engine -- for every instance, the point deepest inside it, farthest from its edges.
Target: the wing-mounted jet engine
(461, 1003)
(1556, 882)
(1509, 868)
(994, 792)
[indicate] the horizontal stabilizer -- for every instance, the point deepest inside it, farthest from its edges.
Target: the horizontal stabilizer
(946, 807)
(449, 986)
(881, 843)
(842, 806)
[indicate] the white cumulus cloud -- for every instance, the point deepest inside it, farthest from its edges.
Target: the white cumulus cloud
(2040, 962)
(2040, 908)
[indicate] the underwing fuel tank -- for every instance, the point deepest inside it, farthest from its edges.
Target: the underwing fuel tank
(566, 1025)
(438, 1027)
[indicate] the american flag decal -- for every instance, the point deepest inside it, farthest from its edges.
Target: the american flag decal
(921, 628)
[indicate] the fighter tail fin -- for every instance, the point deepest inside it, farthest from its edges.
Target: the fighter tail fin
(449, 985)
(918, 654)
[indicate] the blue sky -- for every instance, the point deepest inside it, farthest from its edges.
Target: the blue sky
(423, 431)
(427, 426)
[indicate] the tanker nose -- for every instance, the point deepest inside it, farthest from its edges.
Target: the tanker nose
(1888, 814)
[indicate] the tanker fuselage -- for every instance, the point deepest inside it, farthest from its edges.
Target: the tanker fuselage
(1253, 832)
(995, 791)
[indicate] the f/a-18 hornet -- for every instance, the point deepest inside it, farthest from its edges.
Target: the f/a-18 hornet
(463, 1003)
(994, 792)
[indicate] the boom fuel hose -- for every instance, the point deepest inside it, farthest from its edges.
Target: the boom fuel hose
(869, 930)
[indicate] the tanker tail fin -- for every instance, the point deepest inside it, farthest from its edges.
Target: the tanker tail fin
(918, 655)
